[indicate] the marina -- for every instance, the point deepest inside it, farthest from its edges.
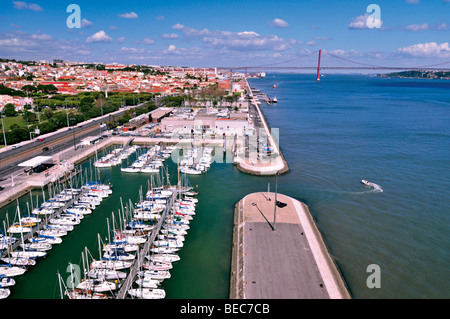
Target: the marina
(153, 228)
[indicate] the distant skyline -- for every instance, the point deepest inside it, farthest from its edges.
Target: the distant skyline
(228, 33)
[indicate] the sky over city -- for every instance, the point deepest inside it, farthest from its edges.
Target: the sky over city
(229, 33)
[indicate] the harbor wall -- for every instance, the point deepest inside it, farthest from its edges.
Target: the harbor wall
(278, 165)
(243, 253)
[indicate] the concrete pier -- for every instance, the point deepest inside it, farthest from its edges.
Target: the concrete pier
(255, 165)
(283, 260)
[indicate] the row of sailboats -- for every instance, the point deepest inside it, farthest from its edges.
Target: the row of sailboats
(139, 249)
(47, 225)
(196, 161)
(151, 161)
(115, 157)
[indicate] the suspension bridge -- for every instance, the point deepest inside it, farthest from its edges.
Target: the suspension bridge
(320, 67)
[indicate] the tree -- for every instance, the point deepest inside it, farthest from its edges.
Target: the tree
(29, 88)
(10, 110)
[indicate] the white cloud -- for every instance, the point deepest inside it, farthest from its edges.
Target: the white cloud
(426, 27)
(20, 5)
(100, 36)
(148, 41)
(41, 36)
(85, 23)
(129, 15)
(178, 26)
(39, 46)
(361, 22)
(245, 40)
(279, 23)
(171, 49)
(170, 36)
(430, 49)
(183, 52)
(417, 27)
(132, 50)
(121, 40)
(161, 18)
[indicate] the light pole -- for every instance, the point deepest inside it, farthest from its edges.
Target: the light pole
(73, 131)
(67, 113)
(3, 129)
(275, 209)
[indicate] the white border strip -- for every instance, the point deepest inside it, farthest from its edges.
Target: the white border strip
(316, 248)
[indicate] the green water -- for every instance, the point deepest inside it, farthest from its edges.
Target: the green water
(204, 268)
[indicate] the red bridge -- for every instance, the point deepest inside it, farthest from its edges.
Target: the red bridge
(319, 67)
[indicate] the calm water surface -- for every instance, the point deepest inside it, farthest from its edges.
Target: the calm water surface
(393, 132)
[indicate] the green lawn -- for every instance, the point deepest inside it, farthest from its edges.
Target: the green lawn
(13, 120)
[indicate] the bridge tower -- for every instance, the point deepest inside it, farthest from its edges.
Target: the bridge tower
(318, 67)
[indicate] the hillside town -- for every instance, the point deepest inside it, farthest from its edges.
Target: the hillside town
(72, 78)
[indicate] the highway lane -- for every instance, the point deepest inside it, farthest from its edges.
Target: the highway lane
(66, 142)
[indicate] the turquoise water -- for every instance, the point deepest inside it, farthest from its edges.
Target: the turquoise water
(393, 132)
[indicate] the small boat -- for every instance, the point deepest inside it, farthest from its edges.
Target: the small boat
(123, 246)
(4, 293)
(17, 229)
(10, 271)
(370, 184)
(6, 282)
(118, 254)
(46, 240)
(111, 264)
(156, 265)
(106, 274)
(146, 282)
(28, 254)
(65, 221)
(146, 293)
(37, 246)
(85, 294)
(274, 86)
(274, 100)
(155, 274)
(97, 285)
(168, 258)
(20, 262)
(52, 232)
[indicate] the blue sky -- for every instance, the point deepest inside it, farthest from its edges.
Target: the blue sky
(228, 33)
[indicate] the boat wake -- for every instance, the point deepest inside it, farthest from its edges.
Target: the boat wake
(376, 188)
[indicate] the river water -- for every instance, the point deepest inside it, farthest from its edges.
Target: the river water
(333, 134)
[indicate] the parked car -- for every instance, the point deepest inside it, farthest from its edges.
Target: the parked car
(41, 140)
(45, 149)
(16, 146)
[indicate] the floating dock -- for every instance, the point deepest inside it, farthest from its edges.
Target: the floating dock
(282, 255)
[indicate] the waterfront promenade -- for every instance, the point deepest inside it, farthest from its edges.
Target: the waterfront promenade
(286, 259)
(256, 165)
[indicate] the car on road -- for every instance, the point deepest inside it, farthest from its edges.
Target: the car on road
(41, 140)
(16, 146)
(45, 149)
(1, 188)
